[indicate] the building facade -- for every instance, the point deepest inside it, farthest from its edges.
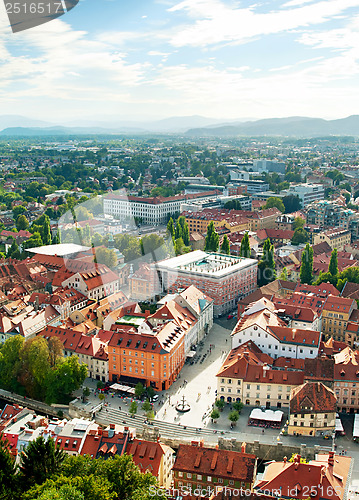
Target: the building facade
(224, 278)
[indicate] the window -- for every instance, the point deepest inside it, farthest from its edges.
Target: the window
(209, 479)
(199, 477)
(189, 475)
(220, 480)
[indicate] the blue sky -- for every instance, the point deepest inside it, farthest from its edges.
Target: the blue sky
(137, 59)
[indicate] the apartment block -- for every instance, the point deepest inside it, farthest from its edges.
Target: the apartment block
(224, 278)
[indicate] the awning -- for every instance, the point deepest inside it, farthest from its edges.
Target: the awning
(267, 415)
(356, 426)
(123, 388)
(191, 354)
(338, 425)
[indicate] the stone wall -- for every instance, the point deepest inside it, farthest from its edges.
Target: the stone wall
(32, 404)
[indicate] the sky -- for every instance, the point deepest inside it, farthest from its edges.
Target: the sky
(126, 60)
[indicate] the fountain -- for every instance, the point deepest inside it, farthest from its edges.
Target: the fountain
(182, 406)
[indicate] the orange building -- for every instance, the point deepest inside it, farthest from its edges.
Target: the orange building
(153, 358)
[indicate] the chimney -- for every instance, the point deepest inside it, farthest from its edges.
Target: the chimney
(331, 459)
(201, 443)
(297, 458)
(147, 313)
(243, 448)
(112, 426)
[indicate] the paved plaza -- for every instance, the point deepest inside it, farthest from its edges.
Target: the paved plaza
(197, 383)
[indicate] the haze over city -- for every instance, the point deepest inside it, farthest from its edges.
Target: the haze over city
(153, 59)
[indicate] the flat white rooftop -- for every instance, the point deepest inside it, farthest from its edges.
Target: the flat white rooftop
(61, 249)
(215, 265)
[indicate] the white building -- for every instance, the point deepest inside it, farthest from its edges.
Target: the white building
(306, 192)
(200, 306)
(148, 210)
(274, 337)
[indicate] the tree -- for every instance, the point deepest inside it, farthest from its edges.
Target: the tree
(333, 264)
(215, 414)
(150, 415)
(8, 484)
(212, 239)
(18, 210)
(85, 394)
(124, 478)
(133, 408)
(306, 268)
(266, 266)
(154, 245)
(171, 228)
(233, 205)
(106, 256)
(298, 222)
(68, 376)
(22, 223)
(245, 249)
(300, 236)
(284, 274)
(35, 366)
(238, 406)
(273, 201)
(146, 406)
(129, 246)
(181, 230)
(42, 226)
(57, 238)
(233, 416)
(40, 460)
(225, 247)
(139, 390)
(291, 203)
(33, 242)
(10, 365)
(46, 236)
(220, 404)
(180, 248)
(150, 391)
(14, 251)
(56, 348)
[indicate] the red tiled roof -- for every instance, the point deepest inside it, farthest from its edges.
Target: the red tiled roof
(296, 335)
(213, 462)
(294, 479)
(312, 397)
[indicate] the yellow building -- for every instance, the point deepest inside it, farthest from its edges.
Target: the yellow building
(247, 375)
(337, 311)
(336, 238)
(312, 410)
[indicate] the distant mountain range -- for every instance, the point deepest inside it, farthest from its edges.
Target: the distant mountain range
(15, 125)
(191, 126)
(296, 126)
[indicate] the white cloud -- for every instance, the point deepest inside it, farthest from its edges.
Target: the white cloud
(216, 23)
